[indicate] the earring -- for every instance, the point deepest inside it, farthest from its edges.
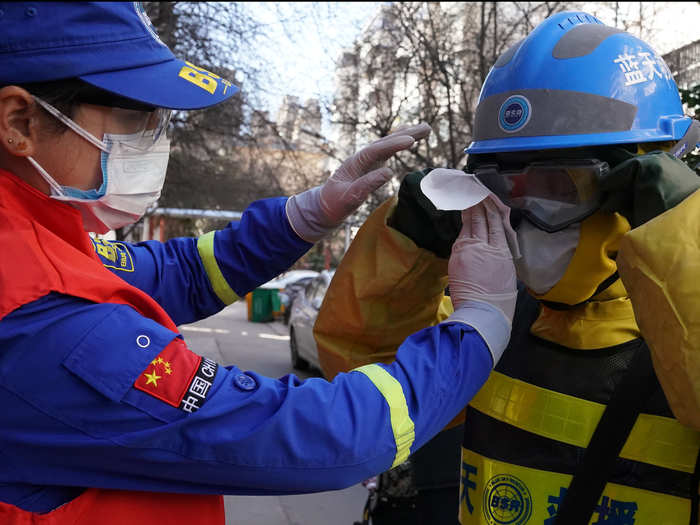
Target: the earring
(10, 141)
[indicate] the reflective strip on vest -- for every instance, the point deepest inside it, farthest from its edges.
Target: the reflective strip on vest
(205, 247)
(656, 440)
(401, 422)
(494, 493)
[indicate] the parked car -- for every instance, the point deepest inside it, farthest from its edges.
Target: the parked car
(304, 311)
(289, 294)
(287, 284)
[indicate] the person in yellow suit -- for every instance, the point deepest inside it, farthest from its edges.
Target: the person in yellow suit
(578, 130)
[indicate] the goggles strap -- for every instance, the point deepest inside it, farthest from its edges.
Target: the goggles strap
(688, 142)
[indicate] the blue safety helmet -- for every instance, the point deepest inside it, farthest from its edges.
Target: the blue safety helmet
(573, 82)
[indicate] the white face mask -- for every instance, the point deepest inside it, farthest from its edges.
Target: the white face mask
(132, 180)
(545, 256)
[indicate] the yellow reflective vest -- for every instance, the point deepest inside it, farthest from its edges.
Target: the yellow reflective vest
(527, 429)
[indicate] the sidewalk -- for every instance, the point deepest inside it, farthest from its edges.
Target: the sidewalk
(229, 338)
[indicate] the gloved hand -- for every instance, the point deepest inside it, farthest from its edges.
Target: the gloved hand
(481, 266)
(645, 186)
(316, 212)
(419, 220)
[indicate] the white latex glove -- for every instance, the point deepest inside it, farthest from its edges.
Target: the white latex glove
(482, 276)
(318, 211)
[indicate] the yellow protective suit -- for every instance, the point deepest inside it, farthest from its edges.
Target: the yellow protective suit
(659, 263)
(373, 303)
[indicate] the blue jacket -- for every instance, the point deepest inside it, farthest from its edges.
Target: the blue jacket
(72, 417)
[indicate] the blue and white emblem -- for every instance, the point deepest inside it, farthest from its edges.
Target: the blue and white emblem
(515, 112)
(507, 501)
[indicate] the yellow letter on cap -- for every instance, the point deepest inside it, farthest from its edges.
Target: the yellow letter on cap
(199, 79)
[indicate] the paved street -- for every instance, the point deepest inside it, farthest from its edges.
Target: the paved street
(229, 339)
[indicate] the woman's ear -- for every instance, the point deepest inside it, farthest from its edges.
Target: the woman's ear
(18, 121)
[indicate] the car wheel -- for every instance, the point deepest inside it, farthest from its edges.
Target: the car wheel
(298, 362)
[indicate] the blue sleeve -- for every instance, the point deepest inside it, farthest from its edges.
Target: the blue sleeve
(194, 278)
(73, 418)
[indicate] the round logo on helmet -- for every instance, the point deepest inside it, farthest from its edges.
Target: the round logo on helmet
(507, 501)
(514, 113)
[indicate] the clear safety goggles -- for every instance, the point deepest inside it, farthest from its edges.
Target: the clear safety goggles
(552, 194)
(144, 128)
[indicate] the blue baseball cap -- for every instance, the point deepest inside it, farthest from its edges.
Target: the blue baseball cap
(110, 45)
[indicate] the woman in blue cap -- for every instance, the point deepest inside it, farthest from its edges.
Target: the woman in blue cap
(107, 416)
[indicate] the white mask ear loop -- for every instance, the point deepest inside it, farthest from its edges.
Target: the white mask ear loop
(73, 125)
(55, 186)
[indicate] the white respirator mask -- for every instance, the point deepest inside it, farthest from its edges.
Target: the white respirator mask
(133, 172)
(545, 256)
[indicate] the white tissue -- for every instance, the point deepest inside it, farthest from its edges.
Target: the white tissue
(455, 190)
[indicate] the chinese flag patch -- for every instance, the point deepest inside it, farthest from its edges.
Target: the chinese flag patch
(178, 376)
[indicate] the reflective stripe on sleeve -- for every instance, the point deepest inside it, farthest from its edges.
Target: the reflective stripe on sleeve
(205, 247)
(401, 423)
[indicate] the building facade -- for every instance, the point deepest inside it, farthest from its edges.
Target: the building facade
(684, 64)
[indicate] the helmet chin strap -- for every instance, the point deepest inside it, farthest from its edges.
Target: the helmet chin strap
(562, 306)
